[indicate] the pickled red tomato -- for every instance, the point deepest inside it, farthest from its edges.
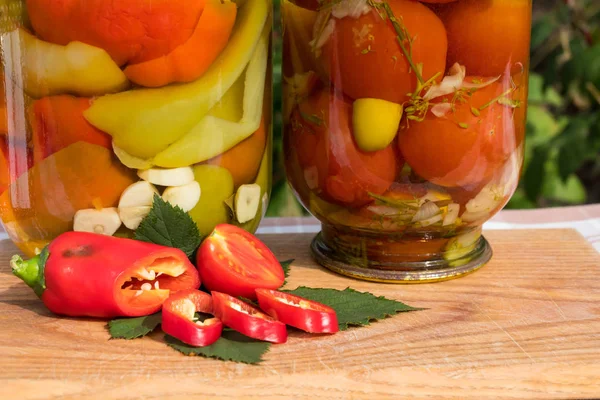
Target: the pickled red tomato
(363, 58)
(322, 137)
(465, 146)
(487, 35)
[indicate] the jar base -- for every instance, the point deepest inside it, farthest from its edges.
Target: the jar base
(435, 269)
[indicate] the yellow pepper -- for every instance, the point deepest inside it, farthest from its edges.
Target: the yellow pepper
(231, 105)
(216, 184)
(214, 135)
(145, 122)
(229, 108)
(47, 69)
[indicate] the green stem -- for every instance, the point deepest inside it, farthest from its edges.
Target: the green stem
(401, 38)
(483, 107)
(30, 271)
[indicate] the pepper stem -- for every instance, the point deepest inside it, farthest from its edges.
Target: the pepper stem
(28, 271)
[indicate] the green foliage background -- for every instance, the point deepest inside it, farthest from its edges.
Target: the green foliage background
(562, 156)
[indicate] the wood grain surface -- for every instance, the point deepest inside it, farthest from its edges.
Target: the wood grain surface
(525, 326)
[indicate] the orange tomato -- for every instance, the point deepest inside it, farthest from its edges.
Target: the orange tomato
(244, 159)
(58, 121)
(190, 61)
(129, 30)
(461, 148)
(321, 135)
(437, 1)
(487, 35)
(363, 57)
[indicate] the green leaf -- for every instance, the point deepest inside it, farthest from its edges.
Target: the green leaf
(133, 328)
(591, 64)
(573, 151)
(540, 95)
(542, 30)
(286, 266)
(558, 192)
(169, 226)
(232, 346)
(543, 123)
(519, 201)
(353, 307)
(534, 175)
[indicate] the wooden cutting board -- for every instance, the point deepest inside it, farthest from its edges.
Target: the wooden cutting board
(525, 326)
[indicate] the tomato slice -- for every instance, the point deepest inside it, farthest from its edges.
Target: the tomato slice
(178, 318)
(247, 320)
(233, 261)
(298, 312)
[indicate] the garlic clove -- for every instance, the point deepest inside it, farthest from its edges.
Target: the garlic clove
(247, 201)
(167, 176)
(105, 221)
(138, 194)
(186, 197)
(132, 216)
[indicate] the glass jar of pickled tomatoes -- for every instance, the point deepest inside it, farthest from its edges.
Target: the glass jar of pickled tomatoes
(105, 105)
(404, 128)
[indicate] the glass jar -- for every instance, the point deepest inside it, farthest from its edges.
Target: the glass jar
(107, 104)
(404, 128)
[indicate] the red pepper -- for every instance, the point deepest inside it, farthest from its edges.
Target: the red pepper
(85, 274)
(248, 320)
(178, 318)
(298, 312)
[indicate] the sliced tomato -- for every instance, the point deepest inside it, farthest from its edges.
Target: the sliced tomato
(298, 312)
(235, 262)
(178, 314)
(247, 320)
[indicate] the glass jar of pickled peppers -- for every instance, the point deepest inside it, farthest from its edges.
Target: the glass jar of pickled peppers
(107, 104)
(404, 128)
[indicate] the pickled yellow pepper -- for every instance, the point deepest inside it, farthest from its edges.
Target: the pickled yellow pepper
(145, 122)
(48, 69)
(213, 135)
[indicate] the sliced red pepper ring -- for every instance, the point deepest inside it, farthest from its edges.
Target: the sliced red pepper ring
(298, 312)
(178, 318)
(247, 320)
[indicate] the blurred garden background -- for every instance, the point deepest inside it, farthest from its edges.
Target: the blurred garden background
(562, 158)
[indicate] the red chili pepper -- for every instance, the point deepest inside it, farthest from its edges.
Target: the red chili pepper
(298, 312)
(248, 320)
(85, 274)
(178, 318)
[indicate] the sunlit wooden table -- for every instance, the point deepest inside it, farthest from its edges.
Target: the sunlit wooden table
(526, 326)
